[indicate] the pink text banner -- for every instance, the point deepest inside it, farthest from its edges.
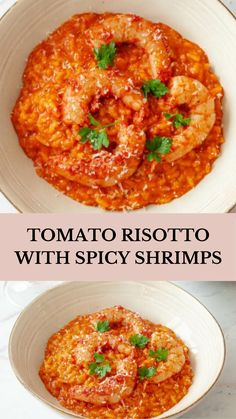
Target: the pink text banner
(118, 247)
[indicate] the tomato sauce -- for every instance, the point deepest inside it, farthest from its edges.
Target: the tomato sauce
(38, 117)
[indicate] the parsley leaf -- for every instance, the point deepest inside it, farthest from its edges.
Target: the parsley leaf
(105, 55)
(112, 124)
(96, 123)
(160, 354)
(93, 121)
(168, 115)
(99, 139)
(92, 368)
(140, 341)
(84, 133)
(103, 326)
(145, 372)
(158, 146)
(96, 138)
(99, 357)
(104, 138)
(178, 119)
(155, 87)
(101, 367)
(153, 156)
(100, 370)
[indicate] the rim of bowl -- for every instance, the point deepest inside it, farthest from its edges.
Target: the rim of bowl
(50, 404)
(228, 207)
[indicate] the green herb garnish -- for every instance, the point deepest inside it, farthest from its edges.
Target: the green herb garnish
(93, 368)
(140, 341)
(101, 367)
(93, 121)
(160, 354)
(96, 123)
(102, 326)
(97, 137)
(158, 146)
(155, 87)
(178, 119)
(146, 373)
(100, 370)
(105, 55)
(99, 357)
(84, 133)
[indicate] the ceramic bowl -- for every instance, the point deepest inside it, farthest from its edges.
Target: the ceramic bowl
(160, 302)
(206, 22)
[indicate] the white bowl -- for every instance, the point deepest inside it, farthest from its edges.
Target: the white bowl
(207, 22)
(161, 302)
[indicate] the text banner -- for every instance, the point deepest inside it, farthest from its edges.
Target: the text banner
(118, 247)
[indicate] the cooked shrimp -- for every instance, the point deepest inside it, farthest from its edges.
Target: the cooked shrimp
(175, 358)
(77, 98)
(113, 388)
(190, 92)
(120, 315)
(124, 28)
(103, 168)
(95, 342)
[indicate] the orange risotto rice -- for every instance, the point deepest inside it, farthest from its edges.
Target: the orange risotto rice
(64, 373)
(52, 141)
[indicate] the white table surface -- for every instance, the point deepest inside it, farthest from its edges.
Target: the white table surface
(5, 205)
(220, 403)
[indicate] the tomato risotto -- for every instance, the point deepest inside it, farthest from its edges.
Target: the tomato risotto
(119, 112)
(114, 364)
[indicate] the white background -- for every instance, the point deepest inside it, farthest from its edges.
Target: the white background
(218, 297)
(220, 403)
(5, 205)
